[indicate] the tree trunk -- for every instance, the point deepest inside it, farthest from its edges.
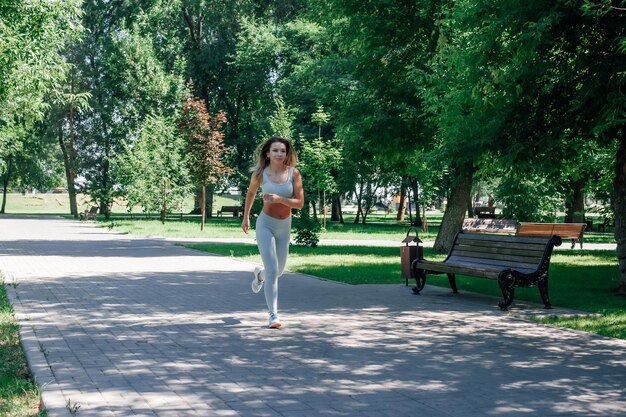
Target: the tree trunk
(70, 175)
(402, 204)
(575, 212)
(203, 206)
(5, 183)
(359, 202)
(417, 220)
(197, 201)
(619, 185)
(408, 199)
(368, 202)
(336, 214)
(164, 202)
(106, 199)
(72, 158)
(455, 209)
(208, 205)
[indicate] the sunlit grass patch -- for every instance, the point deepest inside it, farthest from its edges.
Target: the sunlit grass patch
(19, 395)
(611, 324)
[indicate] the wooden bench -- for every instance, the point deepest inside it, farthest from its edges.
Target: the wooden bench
(490, 226)
(572, 231)
(514, 261)
(92, 213)
(236, 210)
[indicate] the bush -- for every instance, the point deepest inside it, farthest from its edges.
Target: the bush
(307, 230)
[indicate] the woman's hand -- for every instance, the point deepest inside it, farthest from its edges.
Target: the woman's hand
(245, 224)
(271, 198)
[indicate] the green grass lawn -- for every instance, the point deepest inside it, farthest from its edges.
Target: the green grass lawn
(47, 203)
(19, 395)
(52, 203)
(230, 227)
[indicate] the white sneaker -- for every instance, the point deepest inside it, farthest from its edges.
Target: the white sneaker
(274, 321)
(257, 282)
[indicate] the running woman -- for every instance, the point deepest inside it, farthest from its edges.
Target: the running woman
(281, 186)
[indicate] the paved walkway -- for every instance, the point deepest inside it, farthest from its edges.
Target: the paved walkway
(123, 326)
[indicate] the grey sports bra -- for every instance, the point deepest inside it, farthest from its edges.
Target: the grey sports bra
(284, 190)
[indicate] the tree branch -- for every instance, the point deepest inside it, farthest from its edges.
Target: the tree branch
(189, 21)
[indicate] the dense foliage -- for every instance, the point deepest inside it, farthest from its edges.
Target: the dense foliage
(432, 100)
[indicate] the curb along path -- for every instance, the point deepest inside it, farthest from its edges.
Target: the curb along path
(128, 326)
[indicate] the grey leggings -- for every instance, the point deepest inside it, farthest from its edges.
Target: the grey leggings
(272, 238)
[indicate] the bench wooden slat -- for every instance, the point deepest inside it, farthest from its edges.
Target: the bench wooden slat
(499, 256)
(498, 246)
(445, 268)
(499, 264)
(504, 239)
(572, 231)
(515, 261)
(565, 230)
(470, 269)
(497, 259)
(489, 239)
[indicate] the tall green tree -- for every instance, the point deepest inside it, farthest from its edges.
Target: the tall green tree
(132, 66)
(319, 159)
(530, 81)
(234, 59)
(374, 74)
(152, 173)
(70, 103)
(34, 34)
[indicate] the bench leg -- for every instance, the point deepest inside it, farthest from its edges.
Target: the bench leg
(542, 285)
(506, 280)
(452, 281)
(420, 281)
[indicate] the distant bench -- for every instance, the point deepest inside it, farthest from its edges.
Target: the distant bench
(490, 226)
(572, 231)
(92, 213)
(236, 210)
(485, 212)
(514, 261)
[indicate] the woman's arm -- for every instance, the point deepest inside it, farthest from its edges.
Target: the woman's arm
(250, 195)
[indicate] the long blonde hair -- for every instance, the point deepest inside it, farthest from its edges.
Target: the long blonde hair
(262, 161)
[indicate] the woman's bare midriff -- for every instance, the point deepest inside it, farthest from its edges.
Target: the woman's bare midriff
(276, 210)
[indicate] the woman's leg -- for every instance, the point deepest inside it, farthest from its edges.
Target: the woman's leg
(283, 238)
(273, 241)
(267, 248)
